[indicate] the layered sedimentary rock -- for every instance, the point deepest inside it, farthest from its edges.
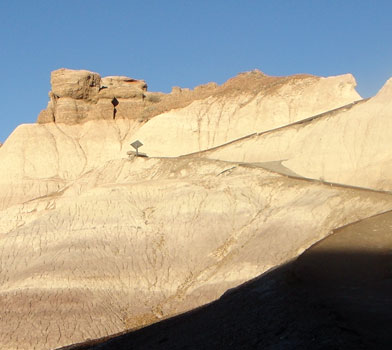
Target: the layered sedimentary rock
(215, 114)
(93, 242)
(84, 137)
(248, 103)
(348, 146)
(80, 95)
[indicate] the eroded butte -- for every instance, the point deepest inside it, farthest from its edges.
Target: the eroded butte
(239, 179)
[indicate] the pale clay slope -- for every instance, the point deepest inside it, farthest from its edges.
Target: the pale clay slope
(141, 239)
(55, 153)
(216, 120)
(351, 146)
(38, 159)
(93, 243)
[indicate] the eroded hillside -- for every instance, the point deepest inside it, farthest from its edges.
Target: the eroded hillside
(336, 295)
(348, 145)
(94, 242)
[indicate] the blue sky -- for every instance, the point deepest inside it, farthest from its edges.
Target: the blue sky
(186, 43)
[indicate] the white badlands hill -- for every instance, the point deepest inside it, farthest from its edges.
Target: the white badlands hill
(348, 146)
(94, 242)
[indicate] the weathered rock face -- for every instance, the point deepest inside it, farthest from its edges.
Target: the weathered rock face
(137, 240)
(251, 101)
(79, 95)
(93, 243)
(39, 159)
(77, 84)
(122, 87)
(205, 117)
(347, 146)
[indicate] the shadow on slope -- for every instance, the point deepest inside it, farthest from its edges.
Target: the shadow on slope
(334, 296)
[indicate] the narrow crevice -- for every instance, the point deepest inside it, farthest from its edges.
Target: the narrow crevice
(115, 104)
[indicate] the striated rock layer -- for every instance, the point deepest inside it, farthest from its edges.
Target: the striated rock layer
(94, 242)
(77, 96)
(239, 110)
(348, 146)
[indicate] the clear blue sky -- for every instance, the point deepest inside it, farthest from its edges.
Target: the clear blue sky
(186, 43)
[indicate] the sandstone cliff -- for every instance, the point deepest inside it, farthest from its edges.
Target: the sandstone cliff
(77, 96)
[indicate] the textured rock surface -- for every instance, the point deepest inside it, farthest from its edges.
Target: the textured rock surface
(79, 95)
(239, 109)
(345, 146)
(122, 87)
(93, 242)
(77, 84)
(336, 295)
(39, 159)
(251, 101)
(141, 239)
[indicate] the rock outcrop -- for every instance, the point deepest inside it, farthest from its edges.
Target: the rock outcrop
(79, 95)
(249, 103)
(191, 120)
(347, 146)
(75, 84)
(93, 242)
(241, 104)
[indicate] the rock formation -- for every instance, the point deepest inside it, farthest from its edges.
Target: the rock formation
(347, 146)
(78, 96)
(138, 240)
(249, 103)
(94, 243)
(186, 121)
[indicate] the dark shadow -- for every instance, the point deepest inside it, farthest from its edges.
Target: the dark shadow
(115, 104)
(337, 295)
(307, 304)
